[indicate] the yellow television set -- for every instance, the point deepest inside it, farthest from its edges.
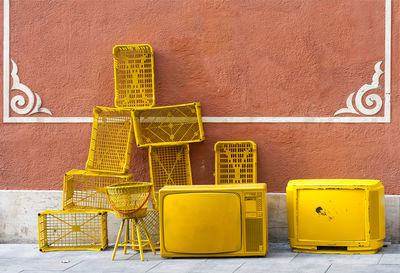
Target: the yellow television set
(336, 215)
(213, 220)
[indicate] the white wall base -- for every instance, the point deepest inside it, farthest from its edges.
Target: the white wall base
(19, 209)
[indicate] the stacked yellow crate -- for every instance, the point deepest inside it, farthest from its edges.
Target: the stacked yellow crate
(166, 130)
(83, 222)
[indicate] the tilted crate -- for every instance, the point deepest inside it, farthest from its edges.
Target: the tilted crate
(134, 76)
(169, 165)
(235, 162)
(168, 125)
(111, 140)
(72, 230)
(152, 223)
(86, 189)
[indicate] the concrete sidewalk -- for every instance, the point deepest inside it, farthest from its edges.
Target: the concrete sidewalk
(27, 258)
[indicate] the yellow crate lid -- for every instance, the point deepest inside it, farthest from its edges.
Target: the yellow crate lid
(224, 187)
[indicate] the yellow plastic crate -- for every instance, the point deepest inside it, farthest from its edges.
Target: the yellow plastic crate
(72, 230)
(134, 76)
(168, 125)
(336, 215)
(86, 189)
(169, 165)
(235, 162)
(111, 141)
(152, 222)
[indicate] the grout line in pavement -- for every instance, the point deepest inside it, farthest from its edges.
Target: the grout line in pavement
(380, 258)
(154, 266)
(73, 265)
(238, 267)
(328, 268)
(293, 257)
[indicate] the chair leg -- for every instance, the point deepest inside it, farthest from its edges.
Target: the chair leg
(118, 237)
(139, 239)
(148, 236)
(133, 233)
(126, 236)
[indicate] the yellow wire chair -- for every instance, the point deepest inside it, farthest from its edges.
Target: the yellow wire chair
(129, 202)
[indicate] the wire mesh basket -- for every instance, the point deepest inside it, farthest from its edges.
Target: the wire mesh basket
(235, 162)
(72, 230)
(168, 125)
(111, 141)
(86, 189)
(169, 165)
(134, 76)
(152, 222)
(129, 200)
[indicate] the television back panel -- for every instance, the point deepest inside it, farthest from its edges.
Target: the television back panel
(336, 215)
(215, 220)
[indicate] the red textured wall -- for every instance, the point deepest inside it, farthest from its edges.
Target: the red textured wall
(297, 58)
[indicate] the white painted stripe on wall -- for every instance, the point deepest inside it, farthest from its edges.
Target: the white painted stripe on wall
(384, 119)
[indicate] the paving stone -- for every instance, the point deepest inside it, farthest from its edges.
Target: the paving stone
(177, 265)
(362, 268)
(309, 258)
(282, 268)
(390, 259)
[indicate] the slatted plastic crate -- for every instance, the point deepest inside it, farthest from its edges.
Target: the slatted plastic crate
(169, 165)
(111, 141)
(86, 189)
(235, 162)
(71, 230)
(168, 125)
(152, 222)
(134, 76)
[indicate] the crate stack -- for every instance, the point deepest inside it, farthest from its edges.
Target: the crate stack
(82, 224)
(166, 131)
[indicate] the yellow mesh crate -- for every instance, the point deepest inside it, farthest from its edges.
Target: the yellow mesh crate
(134, 76)
(152, 223)
(168, 125)
(235, 162)
(86, 189)
(111, 141)
(169, 165)
(72, 230)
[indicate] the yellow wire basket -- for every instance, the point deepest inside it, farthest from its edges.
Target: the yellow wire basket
(111, 141)
(129, 200)
(87, 190)
(134, 76)
(72, 230)
(168, 125)
(235, 162)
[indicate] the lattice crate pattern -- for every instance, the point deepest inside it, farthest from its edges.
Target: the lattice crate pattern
(169, 165)
(86, 189)
(72, 230)
(235, 162)
(111, 140)
(168, 125)
(134, 76)
(152, 221)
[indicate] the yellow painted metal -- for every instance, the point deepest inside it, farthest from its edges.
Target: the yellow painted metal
(72, 230)
(215, 220)
(235, 162)
(168, 125)
(111, 141)
(336, 215)
(169, 165)
(134, 76)
(129, 201)
(152, 222)
(86, 189)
